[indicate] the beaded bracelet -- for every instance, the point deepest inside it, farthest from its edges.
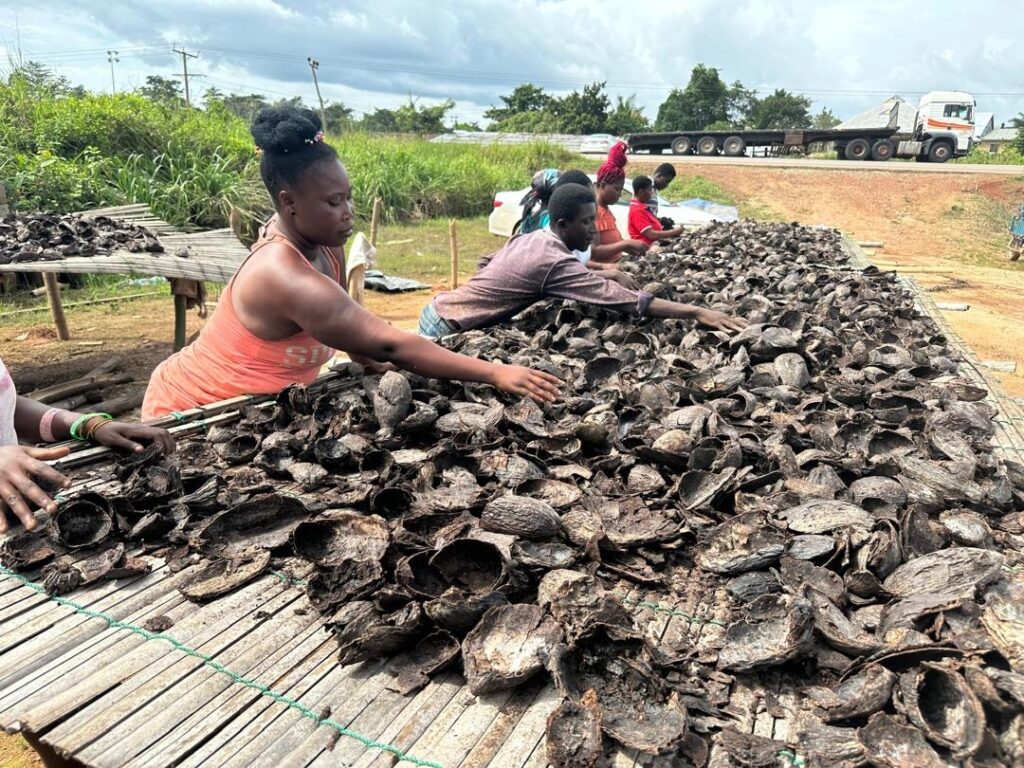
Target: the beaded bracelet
(46, 426)
(83, 420)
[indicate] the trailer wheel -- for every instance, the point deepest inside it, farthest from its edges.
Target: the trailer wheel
(682, 145)
(734, 146)
(708, 145)
(883, 149)
(940, 152)
(858, 149)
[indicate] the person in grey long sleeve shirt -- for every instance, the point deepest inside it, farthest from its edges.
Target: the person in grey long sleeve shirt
(541, 264)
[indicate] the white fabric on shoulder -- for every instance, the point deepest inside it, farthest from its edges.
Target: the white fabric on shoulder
(8, 402)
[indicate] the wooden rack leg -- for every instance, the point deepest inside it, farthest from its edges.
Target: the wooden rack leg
(180, 313)
(56, 308)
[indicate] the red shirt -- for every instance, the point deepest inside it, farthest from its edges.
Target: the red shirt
(640, 218)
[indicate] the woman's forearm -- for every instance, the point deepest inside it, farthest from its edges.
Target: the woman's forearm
(28, 416)
(671, 309)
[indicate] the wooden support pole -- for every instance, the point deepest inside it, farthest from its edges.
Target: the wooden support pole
(180, 311)
(378, 210)
(454, 242)
(56, 309)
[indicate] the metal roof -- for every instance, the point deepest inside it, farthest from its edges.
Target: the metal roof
(1000, 134)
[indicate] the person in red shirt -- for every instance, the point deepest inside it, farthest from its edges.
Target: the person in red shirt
(644, 225)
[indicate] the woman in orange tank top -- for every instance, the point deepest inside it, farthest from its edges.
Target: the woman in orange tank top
(284, 312)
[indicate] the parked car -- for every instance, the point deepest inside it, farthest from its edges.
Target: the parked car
(598, 142)
(507, 211)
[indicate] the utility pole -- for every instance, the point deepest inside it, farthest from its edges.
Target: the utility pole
(185, 56)
(111, 58)
(314, 65)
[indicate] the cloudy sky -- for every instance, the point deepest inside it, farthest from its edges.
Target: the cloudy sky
(846, 56)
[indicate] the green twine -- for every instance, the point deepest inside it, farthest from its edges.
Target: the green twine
(178, 416)
(209, 661)
(286, 579)
(791, 757)
(673, 612)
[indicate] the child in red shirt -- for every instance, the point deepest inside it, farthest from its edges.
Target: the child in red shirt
(644, 225)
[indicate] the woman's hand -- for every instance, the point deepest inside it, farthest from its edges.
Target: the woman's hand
(20, 468)
(719, 321)
(634, 247)
(118, 434)
(516, 380)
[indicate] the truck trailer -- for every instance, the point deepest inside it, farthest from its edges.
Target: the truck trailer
(943, 128)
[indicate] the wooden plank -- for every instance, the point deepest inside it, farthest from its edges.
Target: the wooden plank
(432, 741)
(497, 733)
(163, 713)
(279, 671)
(261, 734)
(151, 669)
(201, 628)
(526, 738)
(41, 661)
(253, 718)
(413, 720)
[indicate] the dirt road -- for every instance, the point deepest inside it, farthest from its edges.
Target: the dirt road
(833, 165)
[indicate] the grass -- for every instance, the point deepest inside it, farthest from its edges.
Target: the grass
(67, 152)
(980, 155)
(978, 224)
(427, 258)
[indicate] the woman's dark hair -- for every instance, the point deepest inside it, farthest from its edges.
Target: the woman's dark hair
(566, 201)
(291, 141)
(665, 169)
(574, 176)
(640, 183)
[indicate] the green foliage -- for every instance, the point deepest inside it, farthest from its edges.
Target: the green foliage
(1018, 143)
(473, 127)
(412, 118)
(705, 100)
(979, 155)
(583, 111)
(529, 122)
(72, 152)
(162, 90)
(685, 187)
(626, 118)
(825, 119)
(779, 110)
(526, 97)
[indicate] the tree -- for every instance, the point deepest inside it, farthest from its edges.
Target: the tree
(40, 80)
(1018, 121)
(529, 122)
(339, 117)
(626, 118)
(524, 98)
(379, 121)
(779, 110)
(741, 99)
(705, 100)
(825, 119)
(162, 90)
(583, 112)
(412, 118)
(473, 127)
(244, 106)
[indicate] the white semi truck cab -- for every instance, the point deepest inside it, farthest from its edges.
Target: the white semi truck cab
(943, 126)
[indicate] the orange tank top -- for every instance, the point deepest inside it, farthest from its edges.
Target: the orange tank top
(228, 360)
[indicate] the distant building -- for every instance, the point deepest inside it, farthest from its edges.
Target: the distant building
(983, 123)
(998, 139)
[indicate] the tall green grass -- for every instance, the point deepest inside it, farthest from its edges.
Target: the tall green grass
(193, 166)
